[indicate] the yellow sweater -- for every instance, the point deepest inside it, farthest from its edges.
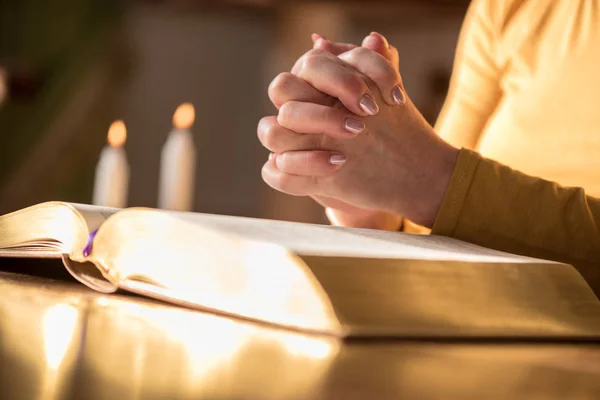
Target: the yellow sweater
(495, 206)
(525, 89)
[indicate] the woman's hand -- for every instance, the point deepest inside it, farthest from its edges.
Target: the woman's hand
(287, 87)
(338, 212)
(380, 155)
(375, 41)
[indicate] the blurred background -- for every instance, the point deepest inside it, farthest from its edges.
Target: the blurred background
(69, 68)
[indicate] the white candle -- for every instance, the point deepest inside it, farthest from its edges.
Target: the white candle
(112, 171)
(178, 163)
(3, 85)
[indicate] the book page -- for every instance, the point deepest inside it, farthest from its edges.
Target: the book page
(38, 230)
(324, 240)
(188, 263)
(94, 216)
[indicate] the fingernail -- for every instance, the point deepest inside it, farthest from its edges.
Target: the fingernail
(398, 95)
(353, 125)
(337, 159)
(271, 155)
(368, 105)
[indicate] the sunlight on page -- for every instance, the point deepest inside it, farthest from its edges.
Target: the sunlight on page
(242, 277)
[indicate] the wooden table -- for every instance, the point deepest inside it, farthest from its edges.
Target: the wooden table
(60, 340)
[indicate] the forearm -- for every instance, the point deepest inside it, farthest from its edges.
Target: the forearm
(494, 206)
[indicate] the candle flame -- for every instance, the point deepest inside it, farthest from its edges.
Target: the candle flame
(117, 134)
(184, 116)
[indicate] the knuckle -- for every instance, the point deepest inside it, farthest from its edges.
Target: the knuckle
(329, 115)
(267, 132)
(315, 52)
(279, 86)
(322, 142)
(276, 83)
(310, 62)
(333, 121)
(323, 115)
(313, 59)
(353, 84)
(385, 76)
(260, 129)
(359, 53)
(278, 181)
(285, 183)
(270, 137)
(297, 164)
(363, 52)
(286, 112)
(265, 121)
(274, 141)
(289, 114)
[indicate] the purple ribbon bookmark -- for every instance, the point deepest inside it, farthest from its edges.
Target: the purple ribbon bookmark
(87, 250)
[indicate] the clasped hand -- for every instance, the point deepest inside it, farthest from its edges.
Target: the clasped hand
(348, 135)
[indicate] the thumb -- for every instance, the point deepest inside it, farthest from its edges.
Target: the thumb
(379, 44)
(320, 42)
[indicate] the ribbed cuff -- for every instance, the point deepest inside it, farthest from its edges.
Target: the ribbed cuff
(456, 194)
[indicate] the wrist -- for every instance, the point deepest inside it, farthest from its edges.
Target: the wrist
(439, 182)
(422, 202)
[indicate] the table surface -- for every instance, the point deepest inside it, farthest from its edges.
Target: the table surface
(60, 340)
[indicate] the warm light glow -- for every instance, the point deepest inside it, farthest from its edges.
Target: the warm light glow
(209, 341)
(59, 325)
(117, 134)
(319, 348)
(3, 85)
(184, 116)
(295, 300)
(102, 302)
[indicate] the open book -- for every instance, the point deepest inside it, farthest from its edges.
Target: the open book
(339, 281)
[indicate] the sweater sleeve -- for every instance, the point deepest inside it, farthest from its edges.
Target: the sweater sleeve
(494, 206)
(475, 83)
